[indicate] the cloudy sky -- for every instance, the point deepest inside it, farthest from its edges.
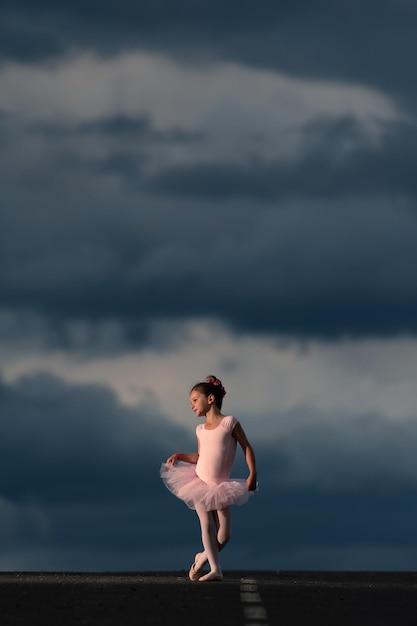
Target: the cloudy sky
(191, 188)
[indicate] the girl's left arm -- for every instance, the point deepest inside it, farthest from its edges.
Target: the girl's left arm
(239, 434)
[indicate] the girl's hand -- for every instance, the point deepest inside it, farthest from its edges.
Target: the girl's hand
(173, 458)
(186, 457)
(252, 483)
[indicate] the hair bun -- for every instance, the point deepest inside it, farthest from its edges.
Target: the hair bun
(213, 380)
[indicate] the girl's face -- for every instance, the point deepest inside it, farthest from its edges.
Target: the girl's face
(200, 403)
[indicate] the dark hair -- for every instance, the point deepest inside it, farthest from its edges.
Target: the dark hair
(212, 385)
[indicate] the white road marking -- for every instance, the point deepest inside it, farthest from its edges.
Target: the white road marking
(250, 596)
(255, 614)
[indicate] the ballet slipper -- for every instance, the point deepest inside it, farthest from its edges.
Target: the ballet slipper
(211, 576)
(195, 572)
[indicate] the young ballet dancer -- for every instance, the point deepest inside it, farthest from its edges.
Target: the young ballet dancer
(201, 479)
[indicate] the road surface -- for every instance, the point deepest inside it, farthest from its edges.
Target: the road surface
(275, 598)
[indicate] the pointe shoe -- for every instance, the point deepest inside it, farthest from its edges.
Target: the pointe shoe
(211, 576)
(195, 572)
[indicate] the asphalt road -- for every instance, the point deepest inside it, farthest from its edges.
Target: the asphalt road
(242, 599)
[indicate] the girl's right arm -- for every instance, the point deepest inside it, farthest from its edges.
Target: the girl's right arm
(191, 457)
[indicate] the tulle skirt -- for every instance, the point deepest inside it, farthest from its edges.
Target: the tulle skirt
(182, 480)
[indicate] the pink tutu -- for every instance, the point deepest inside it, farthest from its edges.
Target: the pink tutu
(182, 480)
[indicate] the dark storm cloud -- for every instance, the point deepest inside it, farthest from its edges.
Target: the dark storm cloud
(373, 43)
(118, 145)
(337, 159)
(102, 222)
(126, 128)
(75, 443)
(286, 272)
(82, 486)
(325, 168)
(142, 127)
(339, 490)
(83, 491)
(323, 246)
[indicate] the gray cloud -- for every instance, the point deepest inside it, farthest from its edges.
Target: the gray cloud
(372, 44)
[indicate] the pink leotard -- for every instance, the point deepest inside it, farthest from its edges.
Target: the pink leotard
(217, 450)
(207, 485)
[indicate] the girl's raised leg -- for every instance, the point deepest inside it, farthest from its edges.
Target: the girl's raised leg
(224, 526)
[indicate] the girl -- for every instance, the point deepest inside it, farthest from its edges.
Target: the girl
(202, 480)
